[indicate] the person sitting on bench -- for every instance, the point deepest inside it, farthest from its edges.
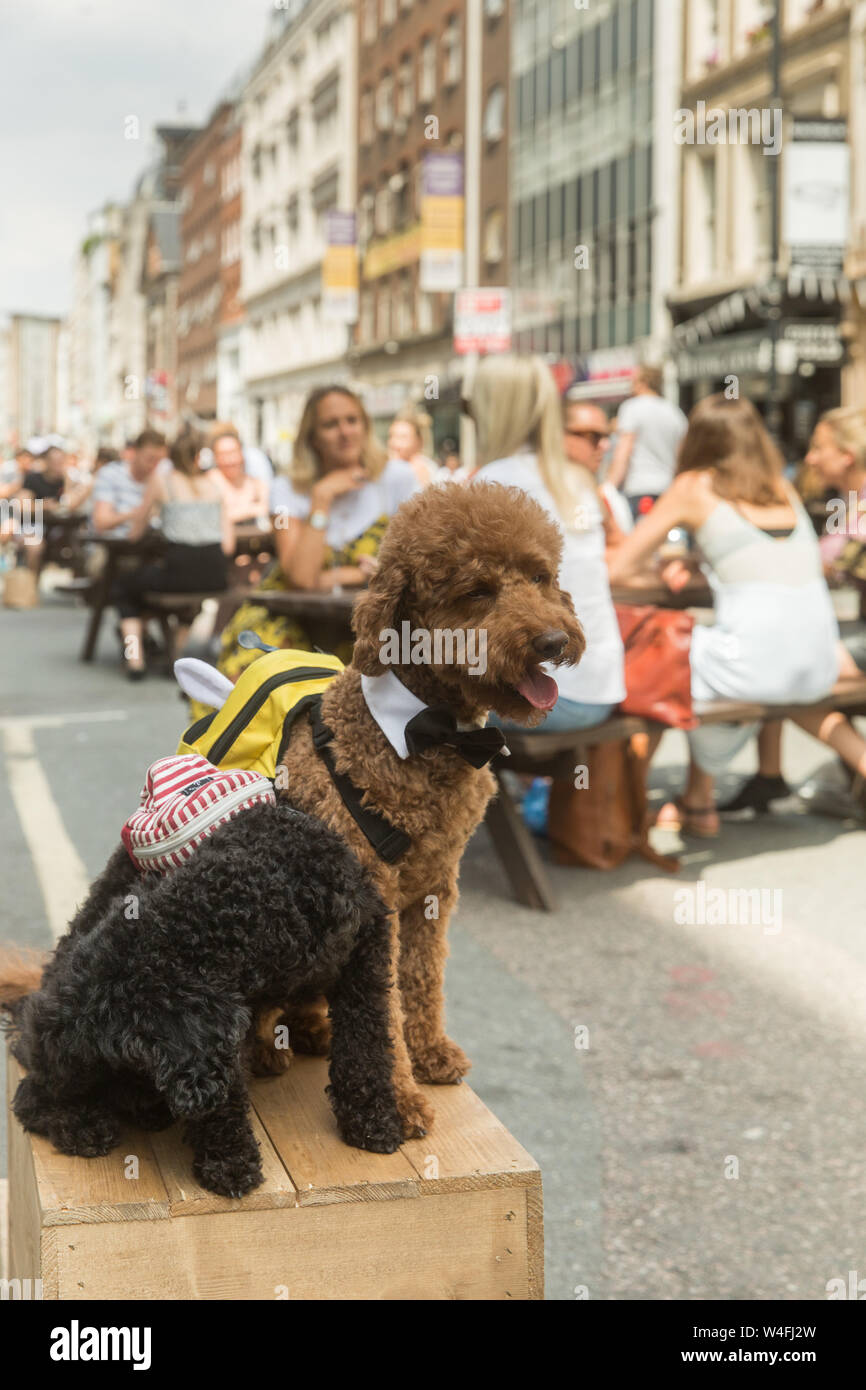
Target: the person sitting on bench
(199, 538)
(775, 636)
(837, 456)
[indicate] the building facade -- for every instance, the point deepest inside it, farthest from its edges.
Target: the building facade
(414, 100)
(298, 113)
(199, 289)
(770, 289)
(31, 376)
(90, 404)
(230, 387)
(593, 185)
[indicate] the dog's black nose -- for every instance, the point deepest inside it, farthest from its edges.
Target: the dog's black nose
(550, 644)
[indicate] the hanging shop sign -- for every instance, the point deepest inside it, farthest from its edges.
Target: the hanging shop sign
(817, 194)
(442, 214)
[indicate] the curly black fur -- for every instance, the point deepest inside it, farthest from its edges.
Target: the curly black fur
(144, 1016)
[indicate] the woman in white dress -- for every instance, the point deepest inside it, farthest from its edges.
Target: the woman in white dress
(518, 419)
(774, 639)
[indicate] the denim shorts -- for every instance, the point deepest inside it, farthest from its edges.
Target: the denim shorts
(565, 716)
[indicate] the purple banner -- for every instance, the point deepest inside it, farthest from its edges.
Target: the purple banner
(340, 229)
(443, 175)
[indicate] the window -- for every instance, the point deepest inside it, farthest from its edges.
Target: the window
(494, 114)
(385, 103)
(369, 25)
(427, 76)
(389, 12)
(293, 214)
(326, 102)
(293, 129)
(406, 88)
(452, 49)
(401, 205)
(367, 122)
(494, 8)
(494, 237)
(383, 211)
(366, 214)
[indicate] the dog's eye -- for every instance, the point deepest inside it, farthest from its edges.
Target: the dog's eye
(540, 578)
(480, 594)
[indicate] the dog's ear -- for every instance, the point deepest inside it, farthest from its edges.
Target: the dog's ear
(378, 610)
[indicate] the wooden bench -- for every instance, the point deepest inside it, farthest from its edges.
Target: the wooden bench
(455, 1215)
(557, 754)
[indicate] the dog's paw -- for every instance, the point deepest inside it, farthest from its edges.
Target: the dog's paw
(267, 1060)
(312, 1039)
(229, 1176)
(90, 1136)
(417, 1115)
(443, 1064)
(192, 1093)
(380, 1132)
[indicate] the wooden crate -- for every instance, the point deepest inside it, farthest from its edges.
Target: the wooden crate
(455, 1215)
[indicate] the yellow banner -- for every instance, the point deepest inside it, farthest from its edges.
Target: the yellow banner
(393, 253)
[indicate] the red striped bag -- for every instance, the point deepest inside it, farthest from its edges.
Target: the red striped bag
(183, 801)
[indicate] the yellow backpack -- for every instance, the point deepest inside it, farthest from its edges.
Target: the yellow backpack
(251, 729)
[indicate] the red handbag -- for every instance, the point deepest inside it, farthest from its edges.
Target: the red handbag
(658, 676)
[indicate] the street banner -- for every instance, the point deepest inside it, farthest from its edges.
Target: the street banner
(816, 204)
(442, 214)
(340, 268)
(482, 321)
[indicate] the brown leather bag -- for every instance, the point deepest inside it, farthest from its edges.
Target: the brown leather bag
(658, 675)
(599, 825)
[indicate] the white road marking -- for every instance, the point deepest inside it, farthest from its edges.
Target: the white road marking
(62, 876)
(57, 721)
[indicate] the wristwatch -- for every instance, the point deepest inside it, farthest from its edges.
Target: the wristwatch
(319, 520)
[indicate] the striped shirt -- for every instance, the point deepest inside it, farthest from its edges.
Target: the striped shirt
(115, 484)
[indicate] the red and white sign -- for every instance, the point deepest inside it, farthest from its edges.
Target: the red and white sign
(482, 321)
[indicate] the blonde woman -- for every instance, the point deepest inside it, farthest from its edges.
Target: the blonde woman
(775, 636)
(407, 440)
(329, 516)
(517, 412)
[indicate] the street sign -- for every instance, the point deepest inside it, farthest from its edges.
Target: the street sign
(482, 321)
(816, 208)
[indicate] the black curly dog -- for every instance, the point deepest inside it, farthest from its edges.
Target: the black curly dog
(144, 1017)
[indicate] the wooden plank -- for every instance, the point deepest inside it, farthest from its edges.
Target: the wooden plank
(457, 1246)
(467, 1147)
(94, 1189)
(300, 1123)
(188, 1198)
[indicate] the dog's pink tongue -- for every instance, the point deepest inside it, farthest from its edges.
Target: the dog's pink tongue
(539, 689)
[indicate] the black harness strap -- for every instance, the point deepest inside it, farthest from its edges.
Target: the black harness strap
(389, 843)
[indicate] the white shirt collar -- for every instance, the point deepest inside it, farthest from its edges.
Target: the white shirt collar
(392, 705)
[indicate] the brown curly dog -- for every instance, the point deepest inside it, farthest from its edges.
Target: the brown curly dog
(483, 557)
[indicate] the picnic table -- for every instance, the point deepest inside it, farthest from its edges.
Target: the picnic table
(327, 617)
(250, 539)
(696, 594)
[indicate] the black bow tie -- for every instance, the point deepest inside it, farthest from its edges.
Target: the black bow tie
(436, 726)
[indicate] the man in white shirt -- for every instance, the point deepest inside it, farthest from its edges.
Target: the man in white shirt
(118, 489)
(649, 430)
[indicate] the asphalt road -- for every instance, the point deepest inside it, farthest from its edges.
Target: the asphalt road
(704, 1139)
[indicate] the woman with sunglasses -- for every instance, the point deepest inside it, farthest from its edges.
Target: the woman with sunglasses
(587, 437)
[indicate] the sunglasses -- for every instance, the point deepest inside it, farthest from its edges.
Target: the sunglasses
(595, 435)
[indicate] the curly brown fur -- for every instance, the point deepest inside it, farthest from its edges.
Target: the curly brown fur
(444, 546)
(145, 1017)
